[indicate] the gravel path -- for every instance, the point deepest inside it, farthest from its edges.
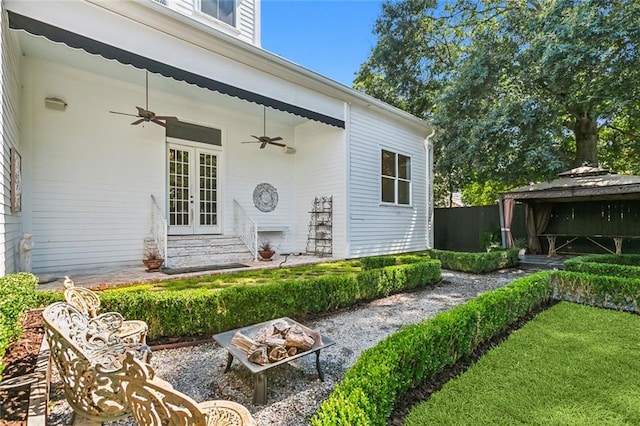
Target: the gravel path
(294, 391)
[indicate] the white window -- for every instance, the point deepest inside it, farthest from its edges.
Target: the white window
(223, 10)
(396, 178)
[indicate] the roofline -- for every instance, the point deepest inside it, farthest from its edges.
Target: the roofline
(197, 33)
(570, 192)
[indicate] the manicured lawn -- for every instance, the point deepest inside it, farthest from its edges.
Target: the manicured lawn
(255, 277)
(571, 365)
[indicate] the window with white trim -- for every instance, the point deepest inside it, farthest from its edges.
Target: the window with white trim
(223, 10)
(395, 181)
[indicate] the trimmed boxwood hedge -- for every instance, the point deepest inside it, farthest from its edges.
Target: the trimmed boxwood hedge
(598, 290)
(17, 295)
(383, 374)
(476, 262)
(207, 312)
(416, 353)
(619, 265)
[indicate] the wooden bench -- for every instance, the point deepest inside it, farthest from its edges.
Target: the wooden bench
(88, 355)
(154, 402)
(88, 302)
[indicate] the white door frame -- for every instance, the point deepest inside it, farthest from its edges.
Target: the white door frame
(188, 220)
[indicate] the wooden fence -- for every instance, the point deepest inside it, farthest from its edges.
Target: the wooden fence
(461, 228)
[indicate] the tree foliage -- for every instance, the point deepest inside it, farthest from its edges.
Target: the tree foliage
(521, 89)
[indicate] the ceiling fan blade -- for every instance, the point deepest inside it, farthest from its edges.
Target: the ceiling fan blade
(263, 144)
(155, 120)
(167, 117)
(276, 143)
(250, 142)
(137, 122)
(123, 113)
(277, 138)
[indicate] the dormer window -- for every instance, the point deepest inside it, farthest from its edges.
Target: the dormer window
(223, 10)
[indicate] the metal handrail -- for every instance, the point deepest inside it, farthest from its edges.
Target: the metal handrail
(159, 228)
(245, 228)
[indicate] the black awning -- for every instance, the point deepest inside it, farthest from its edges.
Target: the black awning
(35, 27)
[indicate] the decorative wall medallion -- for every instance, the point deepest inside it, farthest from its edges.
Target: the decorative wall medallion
(265, 197)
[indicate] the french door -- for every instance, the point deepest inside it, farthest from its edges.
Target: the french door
(194, 196)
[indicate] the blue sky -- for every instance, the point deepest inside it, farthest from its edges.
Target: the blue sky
(330, 37)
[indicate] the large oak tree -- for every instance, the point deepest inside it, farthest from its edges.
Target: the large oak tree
(520, 89)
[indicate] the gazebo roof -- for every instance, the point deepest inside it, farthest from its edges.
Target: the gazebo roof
(580, 184)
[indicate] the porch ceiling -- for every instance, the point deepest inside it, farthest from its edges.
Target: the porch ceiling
(105, 60)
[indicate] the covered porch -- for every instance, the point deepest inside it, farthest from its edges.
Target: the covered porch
(99, 191)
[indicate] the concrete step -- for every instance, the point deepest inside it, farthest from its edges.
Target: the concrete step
(202, 250)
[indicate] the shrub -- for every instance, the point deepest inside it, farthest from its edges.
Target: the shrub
(418, 352)
(17, 295)
(620, 265)
(598, 290)
(375, 262)
(205, 312)
(476, 262)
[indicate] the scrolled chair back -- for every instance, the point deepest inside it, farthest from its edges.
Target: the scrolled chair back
(153, 401)
(82, 298)
(89, 378)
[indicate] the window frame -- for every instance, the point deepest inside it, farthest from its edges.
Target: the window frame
(396, 178)
(198, 8)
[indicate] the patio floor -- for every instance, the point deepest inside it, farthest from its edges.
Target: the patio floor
(113, 276)
(542, 261)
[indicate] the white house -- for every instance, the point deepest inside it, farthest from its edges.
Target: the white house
(94, 190)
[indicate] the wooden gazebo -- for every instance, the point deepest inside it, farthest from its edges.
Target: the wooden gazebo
(587, 205)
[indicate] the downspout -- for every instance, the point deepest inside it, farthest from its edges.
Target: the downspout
(428, 146)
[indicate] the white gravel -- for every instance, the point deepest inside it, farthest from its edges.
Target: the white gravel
(294, 391)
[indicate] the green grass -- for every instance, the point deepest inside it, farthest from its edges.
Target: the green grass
(571, 365)
(256, 277)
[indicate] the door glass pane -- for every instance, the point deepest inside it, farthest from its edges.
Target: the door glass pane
(207, 166)
(178, 187)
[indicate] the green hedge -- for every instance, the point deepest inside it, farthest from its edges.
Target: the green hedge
(17, 295)
(377, 262)
(203, 312)
(476, 262)
(598, 290)
(416, 353)
(619, 265)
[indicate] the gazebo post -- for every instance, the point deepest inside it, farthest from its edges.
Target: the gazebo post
(502, 227)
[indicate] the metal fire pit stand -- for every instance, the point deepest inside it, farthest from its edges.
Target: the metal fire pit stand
(259, 371)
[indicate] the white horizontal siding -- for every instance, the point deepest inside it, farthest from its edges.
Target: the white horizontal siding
(375, 228)
(91, 173)
(10, 224)
(246, 21)
(320, 171)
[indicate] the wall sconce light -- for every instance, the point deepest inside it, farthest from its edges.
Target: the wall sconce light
(56, 104)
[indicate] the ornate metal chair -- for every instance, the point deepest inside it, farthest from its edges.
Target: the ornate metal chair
(154, 402)
(88, 302)
(88, 356)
